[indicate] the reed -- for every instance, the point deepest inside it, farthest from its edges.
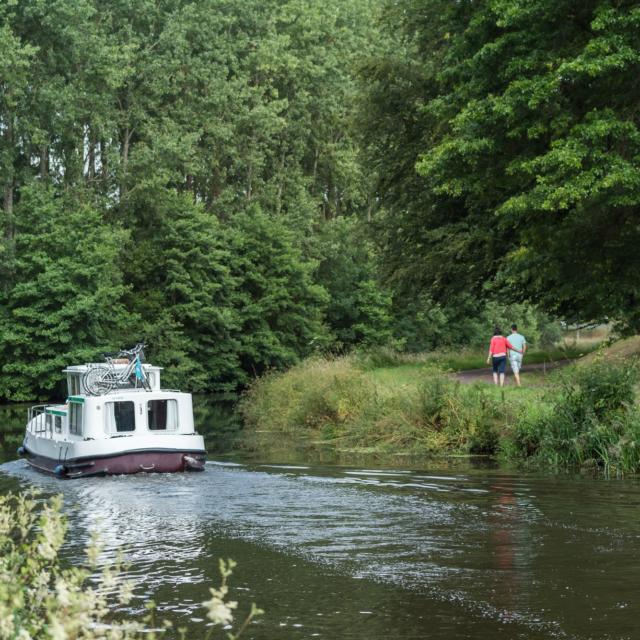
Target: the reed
(421, 410)
(591, 420)
(584, 417)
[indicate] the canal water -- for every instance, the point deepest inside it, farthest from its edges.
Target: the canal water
(367, 552)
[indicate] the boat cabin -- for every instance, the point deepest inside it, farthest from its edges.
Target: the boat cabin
(126, 410)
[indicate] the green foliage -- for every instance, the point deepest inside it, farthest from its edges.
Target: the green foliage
(520, 119)
(422, 325)
(592, 421)
(280, 305)
(358, 310)
(379, 357)
(63, 303)
(42, 598)
(586, 418)
(39, 598)
(316, 394)
(337, 402)
(203, 147)
(184, 289)
(419, 324)
(221, 302)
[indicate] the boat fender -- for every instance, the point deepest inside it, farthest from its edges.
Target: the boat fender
(22, 451)
(60, 470)
(193, 464)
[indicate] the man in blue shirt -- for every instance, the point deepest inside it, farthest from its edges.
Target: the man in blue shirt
(515, 358)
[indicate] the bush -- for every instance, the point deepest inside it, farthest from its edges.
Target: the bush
(589, 419)
(591, 422)
(40, 598)
(333, 398)
(315, 393)
(379, 358)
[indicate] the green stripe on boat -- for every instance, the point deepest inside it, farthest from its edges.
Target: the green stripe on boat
(56, 412)
(76, 399)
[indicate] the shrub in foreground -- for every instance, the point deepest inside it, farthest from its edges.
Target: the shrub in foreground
(41, 599)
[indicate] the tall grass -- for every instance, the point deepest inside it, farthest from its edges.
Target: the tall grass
(334, 400)
(591, 420)
(586, 416)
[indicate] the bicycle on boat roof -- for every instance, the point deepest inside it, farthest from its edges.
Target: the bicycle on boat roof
(103, 378)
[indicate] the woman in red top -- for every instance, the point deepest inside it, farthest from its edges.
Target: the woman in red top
(498, 354)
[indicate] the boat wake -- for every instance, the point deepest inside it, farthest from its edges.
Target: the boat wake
(477, 544)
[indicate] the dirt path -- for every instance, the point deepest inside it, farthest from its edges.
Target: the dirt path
(485, 374)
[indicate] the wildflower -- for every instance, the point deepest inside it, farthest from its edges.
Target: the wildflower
(62, 593)
(94, 549)
(226, 568)
(126, 592)
(7, 627)
(219, 611)
(56, 630)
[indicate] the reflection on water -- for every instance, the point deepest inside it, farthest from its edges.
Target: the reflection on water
(372, 553)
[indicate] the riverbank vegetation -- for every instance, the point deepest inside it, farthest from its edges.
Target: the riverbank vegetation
(247, 184)
(42, 598)
(583, 416)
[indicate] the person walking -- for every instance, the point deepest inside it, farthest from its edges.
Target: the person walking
(497, 357)
(516, 355)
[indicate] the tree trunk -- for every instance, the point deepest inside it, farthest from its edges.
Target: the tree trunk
(214, 190)
(7, 196)
(8, 209)
(249, 182)
(103, 163)
(91, 172)
(44, 162)
(315, 166)
(126, 140)
(280, 184)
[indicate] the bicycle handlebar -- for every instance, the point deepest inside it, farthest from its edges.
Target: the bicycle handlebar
(132, 352)
(123, 353)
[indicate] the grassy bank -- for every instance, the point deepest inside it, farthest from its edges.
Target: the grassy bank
(578, 417)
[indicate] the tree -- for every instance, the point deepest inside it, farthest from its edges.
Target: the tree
(280, 305)
(522, 124)
(64, 304)
(183, 288)
(358, 311)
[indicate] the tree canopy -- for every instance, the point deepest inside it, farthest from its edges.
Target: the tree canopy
(167, 168)
(243, 184)
(505, 136)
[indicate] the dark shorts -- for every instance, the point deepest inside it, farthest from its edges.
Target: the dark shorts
(499, 364)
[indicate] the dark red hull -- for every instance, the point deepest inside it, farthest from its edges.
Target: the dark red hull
(123, 463)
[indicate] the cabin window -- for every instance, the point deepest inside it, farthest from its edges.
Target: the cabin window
(73, 382)
(75, 418)
(41, 423)
(57, 424)
(120, 416)
(162, 415)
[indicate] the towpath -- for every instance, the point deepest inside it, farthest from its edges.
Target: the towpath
(485, 375)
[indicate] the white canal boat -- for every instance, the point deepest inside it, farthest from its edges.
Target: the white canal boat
(116, 419)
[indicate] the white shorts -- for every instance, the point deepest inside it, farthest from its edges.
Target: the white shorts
(515, 360)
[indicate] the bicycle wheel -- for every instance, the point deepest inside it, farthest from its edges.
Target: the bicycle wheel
(98, 380)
